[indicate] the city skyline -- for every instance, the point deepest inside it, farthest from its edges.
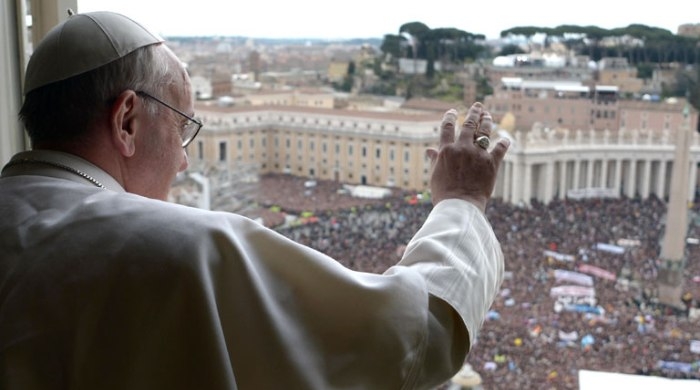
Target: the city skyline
(365, 19)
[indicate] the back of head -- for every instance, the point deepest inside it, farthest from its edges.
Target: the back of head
(79, 66)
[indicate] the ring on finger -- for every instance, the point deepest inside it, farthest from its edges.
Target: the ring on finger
(483, 142)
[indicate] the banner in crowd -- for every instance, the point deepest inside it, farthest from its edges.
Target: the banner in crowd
(568, 336)
(695, 346)
(559, 256)
(597, 272)
(362, 191)
(561, 275)
(592, 192)
(616, 249)
(579, 308)
(674, 366)
(572, 291)
(628, 243)
(694, 314)
(574, 300)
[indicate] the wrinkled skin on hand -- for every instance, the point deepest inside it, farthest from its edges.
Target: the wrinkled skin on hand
(460, 168)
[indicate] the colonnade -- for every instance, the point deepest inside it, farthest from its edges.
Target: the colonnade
(543, 166)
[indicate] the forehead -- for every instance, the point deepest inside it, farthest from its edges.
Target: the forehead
(180, 88)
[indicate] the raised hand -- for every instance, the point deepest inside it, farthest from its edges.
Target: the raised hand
(465, 168)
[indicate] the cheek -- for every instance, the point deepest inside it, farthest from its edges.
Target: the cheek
(164, 159)
(167, 149)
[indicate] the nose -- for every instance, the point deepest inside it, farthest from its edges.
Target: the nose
(185, 161)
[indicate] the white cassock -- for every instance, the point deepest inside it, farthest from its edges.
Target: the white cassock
(102, 289)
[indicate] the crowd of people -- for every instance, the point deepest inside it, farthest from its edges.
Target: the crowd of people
(531, 338)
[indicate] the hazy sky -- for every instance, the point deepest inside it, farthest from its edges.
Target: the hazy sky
(374, 18)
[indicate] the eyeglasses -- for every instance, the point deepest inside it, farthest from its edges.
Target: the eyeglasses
(189, 130)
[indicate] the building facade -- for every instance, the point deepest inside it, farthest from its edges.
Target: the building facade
(388, 150)
(378, 149)
(556, 164)
(617, 71)
(570, 104)
(291, 97)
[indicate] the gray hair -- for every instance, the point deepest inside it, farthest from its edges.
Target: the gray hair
(64, 111)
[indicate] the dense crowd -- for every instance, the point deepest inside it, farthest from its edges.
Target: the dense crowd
(531, 339)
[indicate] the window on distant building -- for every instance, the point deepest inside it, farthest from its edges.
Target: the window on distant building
(222, 151)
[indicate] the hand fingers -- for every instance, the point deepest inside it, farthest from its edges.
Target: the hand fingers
(447, 128)
(482, 136)
(485, 125)
(499, 151)
(471, 123)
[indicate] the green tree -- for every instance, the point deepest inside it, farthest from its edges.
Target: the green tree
(391, 47)
(511, 49)
(645, 70)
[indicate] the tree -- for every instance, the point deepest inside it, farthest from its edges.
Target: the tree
(413, 33)
(391, 46)
(645, 70)
(511, 49)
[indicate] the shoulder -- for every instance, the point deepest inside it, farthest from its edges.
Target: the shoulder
(163, 225)
(137, 208)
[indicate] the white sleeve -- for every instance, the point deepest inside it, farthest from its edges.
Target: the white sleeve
(460, 258)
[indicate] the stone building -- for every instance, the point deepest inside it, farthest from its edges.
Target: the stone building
(571, 104)
(369, 148)
(388, 150)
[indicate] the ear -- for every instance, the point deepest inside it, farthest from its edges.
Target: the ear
(125, 115)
